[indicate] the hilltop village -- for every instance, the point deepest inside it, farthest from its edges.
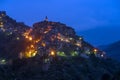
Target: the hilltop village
(44, 39)
(49, 51)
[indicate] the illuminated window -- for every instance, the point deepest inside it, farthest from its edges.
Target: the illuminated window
(2, 61)
(30, 38)
(52, 53)
(43, 44)
(1, 24)
(32, 46)
(30, 53)
(79, 44)
(71, 38)
(3, 14)
(67, 40)
(17, 38)
(95, 51)
(102, 55)
(61, 54)
(74, 53)
(80, 38)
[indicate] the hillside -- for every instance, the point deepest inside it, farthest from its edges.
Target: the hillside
(50, 51)
(44, 39)
(75, 68)
(113, 50)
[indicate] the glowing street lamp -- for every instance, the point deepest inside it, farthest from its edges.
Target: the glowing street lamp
(95, 50)
(30, 38)
(52, 53)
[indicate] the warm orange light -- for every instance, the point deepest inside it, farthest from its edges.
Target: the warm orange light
(52, 53)
(30, 50)
(95, 50)
(43, 44)
(78, 44)
(36, 41)
(30, 38)
(29, 53)
(32, 46)
(26, 36)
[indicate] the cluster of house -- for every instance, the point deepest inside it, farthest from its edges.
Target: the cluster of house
(48, 37)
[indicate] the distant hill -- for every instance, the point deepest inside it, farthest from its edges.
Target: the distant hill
(101, 35)
(112, 50)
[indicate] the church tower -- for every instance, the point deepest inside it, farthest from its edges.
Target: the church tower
(46, 18)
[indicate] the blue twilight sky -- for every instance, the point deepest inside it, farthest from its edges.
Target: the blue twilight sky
(94, 19)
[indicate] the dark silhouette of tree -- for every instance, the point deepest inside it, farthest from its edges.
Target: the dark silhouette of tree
(106, 76)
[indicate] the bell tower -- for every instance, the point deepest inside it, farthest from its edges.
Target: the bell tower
(46, 18)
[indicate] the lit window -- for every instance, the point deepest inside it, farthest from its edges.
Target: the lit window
(67, 40)
(61, 54)
(74, 53)
(3, 14)
(52, 53)
(62, 39)
(2, 61)
(26, 36)
(32, 46)
(71, 38)
(102, 55)
(95, 50)
(30, 38)
(80, 38)
(17, 38)
(79, 44)
(34, 54)
(1, 23)
(43, 44)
